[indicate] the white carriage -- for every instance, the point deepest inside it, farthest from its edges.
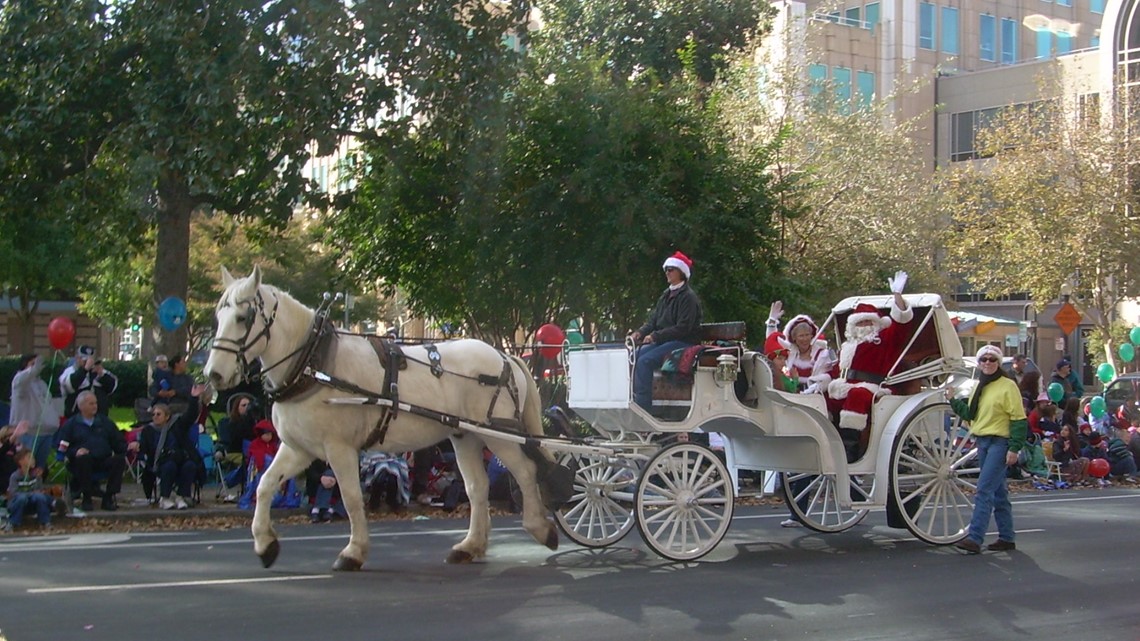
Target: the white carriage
(680, 494)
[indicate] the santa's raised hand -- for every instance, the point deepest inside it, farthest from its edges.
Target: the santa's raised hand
(898, 283)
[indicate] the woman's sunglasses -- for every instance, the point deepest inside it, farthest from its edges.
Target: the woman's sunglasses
(987, 359)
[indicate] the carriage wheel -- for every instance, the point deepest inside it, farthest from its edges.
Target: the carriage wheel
(814, 501)
(684, 502)
(933, 476)
(600, 512)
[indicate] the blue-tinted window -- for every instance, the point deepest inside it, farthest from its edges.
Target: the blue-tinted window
(1044, 43)
(1064, 42)
(1008, 41)
(1064, 3)
(987, 38)
(865, 86)
(871, 15)
(841, 76)
(817, 77)
(1096, 6)
(950, 30)
(1094, 40)
(851, 17)
(926, 25)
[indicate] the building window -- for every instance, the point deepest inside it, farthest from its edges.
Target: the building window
(1044, 44)
(1094, 39)
(817, 78)
(987, 38)
(865, 86)
(926, 25)
(1096, 6)
(871, 15)
(851, 17)
(1088, 110)
(1008, 41)
(964, 128)
(1064, 42)
(1064, 3)
(950, 30)
(841, 76)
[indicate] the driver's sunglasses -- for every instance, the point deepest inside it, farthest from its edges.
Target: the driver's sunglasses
(987, 359)
(670, 269)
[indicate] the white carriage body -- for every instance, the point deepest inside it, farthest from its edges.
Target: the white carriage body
(780, 431)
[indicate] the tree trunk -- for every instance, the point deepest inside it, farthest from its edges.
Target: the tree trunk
(172, 256)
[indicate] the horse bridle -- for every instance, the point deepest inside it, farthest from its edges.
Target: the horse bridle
(242, 345)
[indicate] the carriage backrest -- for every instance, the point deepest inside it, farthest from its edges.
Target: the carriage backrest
(932, 345)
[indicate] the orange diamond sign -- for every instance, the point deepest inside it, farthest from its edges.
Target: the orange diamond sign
(1067, 318)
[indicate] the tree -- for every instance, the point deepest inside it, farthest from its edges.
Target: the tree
(563, 198)
(854, 195)
(1053, 202)
(218, 106)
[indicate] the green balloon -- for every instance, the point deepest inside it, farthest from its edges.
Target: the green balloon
(1127, 352)
(575, 338)
(1056, 392)
(1106, 372)
(1134, 336)
(1097, 407)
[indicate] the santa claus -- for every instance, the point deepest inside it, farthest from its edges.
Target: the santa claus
(873, 344)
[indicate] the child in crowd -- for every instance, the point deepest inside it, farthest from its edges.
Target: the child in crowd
(264, 445)
(26, 492)
(326, 501)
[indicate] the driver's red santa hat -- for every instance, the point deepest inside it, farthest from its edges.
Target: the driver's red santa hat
(865, 312)
(681, 262)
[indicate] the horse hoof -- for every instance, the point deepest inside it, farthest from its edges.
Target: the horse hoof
(269, 556)
(552, 539)
(459, 556)
(347, 564)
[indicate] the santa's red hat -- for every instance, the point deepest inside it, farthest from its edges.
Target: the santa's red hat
(681, 262)
(775, 344)
(867, 312)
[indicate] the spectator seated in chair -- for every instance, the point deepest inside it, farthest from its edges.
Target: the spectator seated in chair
(169, 445)
(92, 443)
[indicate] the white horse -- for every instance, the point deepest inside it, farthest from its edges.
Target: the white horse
(258, 321)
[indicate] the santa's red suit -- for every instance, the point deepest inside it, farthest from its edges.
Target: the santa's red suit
(865, 362)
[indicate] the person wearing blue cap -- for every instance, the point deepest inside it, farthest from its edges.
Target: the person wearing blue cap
(1064, 376)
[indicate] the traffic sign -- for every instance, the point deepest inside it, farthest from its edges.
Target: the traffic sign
(1067, 318)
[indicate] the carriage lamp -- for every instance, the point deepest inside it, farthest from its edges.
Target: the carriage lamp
(726, 369)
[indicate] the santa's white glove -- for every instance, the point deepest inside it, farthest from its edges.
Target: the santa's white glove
(813, 389)
(898, 282)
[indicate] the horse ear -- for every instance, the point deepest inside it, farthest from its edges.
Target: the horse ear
(256, 276)
(227, 278)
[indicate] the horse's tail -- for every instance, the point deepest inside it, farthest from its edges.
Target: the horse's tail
(555, 482)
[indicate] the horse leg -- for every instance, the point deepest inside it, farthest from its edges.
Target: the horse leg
(287, 463)
(469, 456)
(345, 462)
(525, 473)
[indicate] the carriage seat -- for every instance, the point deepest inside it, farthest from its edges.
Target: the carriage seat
(718, 338)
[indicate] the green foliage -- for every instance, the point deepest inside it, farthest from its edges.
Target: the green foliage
(563, 199)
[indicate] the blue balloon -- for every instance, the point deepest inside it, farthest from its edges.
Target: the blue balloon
(171, 313)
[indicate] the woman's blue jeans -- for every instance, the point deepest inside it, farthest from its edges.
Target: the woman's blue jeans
(992, 496)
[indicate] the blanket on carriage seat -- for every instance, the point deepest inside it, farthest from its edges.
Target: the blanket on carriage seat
(682, 362)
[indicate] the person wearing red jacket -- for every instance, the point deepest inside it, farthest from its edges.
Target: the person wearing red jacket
(264, 445)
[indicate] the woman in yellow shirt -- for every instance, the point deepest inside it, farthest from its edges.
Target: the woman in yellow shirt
(998, 424)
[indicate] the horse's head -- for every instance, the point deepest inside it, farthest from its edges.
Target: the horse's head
(244, 314)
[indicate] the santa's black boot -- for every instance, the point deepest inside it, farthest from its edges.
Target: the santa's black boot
(850, 440)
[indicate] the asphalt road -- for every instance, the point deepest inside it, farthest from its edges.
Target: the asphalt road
(1072, 577)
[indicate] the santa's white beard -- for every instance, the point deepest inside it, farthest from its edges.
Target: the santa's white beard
(862, 333)
(856, 336)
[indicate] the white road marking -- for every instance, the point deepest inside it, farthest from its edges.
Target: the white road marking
(175, 584)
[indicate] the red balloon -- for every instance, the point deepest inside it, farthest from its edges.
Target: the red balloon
(550, 337)
(60, 332)
(1099, 468)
